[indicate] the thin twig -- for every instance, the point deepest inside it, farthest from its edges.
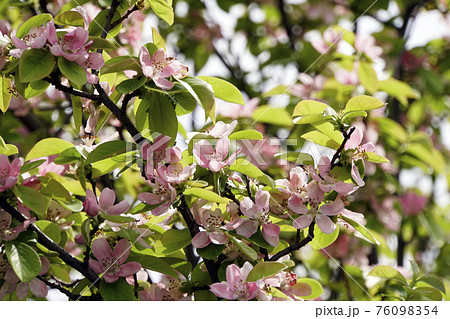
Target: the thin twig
(295, 246)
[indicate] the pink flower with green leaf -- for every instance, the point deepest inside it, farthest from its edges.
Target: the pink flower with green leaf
(214, 158)
(111, 263)
(211, 221)
(9, 172)
(105, 203)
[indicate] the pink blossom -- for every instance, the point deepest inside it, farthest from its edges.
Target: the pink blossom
(326, 179)
(222, 130)
(344, 76)
(73, 45)
(175, 173)
(366, 44)
(50, 166)
(163, 195)
(7, 234)
(166, 290)
(214, 159)
(309, 86)
(258, 214)
(159, 67)
(235, 111)
(9, 172)
(412, 203)
(236, 286)
(105, 203)
(36, 38)
(111, 263)
(211, 221)
(323, 45)
(159, 153)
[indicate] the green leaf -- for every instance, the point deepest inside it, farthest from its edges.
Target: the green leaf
(55, 189)
(153, 263)
(321, 139)
(201, 91)
(434, 281)
(375, 158)
(206, 194)
(100, 43)
(360, 228)
(97, 25)
(35, 64)
(48, 146)
(329, 130)
(121, 63)
(322, 240)
(173, 240)
(429, 293)
(272, 115)
(368, 77)
(68, 156)
(400, 90)
(72, 18)
(29, 166)
(117, 291)
(77, 107)
(392, 129)
(72, 71)
(349, 116)
(109, 149)
(5, 97)
(23, 259)
(50, 229)
(162, 10)
(243, 247)
(162, 118)
(10, 149)
(35, 88)
(243, 166)
(158, 40)
(265, 269)
(316, 288)
(35, 21)
(363, 103)
(278, 90)
(388, 272)
(224, 90)
(296, 157)
(313, 118)
(309, 107)
(211, 251)
(32, 199)
(246, 135)
(119, 219)
(131, 85)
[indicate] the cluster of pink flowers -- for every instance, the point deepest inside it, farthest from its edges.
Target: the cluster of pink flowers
(9, 172)
(73, 46)
(105, 203)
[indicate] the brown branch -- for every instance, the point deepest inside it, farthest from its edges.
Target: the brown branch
(295, 246)
(48, 243)
(126, 15)
(71, 90)
(335, 159)
(67, 292)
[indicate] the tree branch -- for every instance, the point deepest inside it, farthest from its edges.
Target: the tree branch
(71, 90)
(296, 246)
(335, 159)
(51, 245)
(67, 292)
(126, 15)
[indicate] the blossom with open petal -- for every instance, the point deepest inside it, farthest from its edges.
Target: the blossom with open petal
(105, 203)
(236, 286)
(214, 158)
(322, 45)
(9, 172)
(159, 153)
(326, 179)
(36, 38)
(7, 233)
(175, 173)
(222, 129)
(111, 263)
(366, 44)
(211, 221)
(159, 67)
(73, 46)
(258, 214)
(163, 195)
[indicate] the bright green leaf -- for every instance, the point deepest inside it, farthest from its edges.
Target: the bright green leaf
(272, 115)
(265, 269)
(162, 10)
(72, 71)
(388, 272)
(211, 251)
(363, 103)
(24, 260)
(434, 281)
(309, 107)
(243, 247)
(205, 194)
(368, 77)
(48, 146)
(173, 240)
(201, 91)
(360, 228)
(131, 85)
(375, 158)
(35, 21)
(162, 118)
(32, 199)
(243, 166)
(35, 64)
(296, 157)
(5, 97)
(321, 139)
(121, 63)
(117, 291)
(246, 135)
(35, 88)
(224, 90)
(158, 40)
(72, 18)
(97, 25)
(50, 229)
(109, 149)
(322, 240)
(153, 263)
(316, 288)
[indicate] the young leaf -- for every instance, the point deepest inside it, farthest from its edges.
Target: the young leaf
(158, 40)
(363, 230)
(23, 259)
(131, 85)
(363, 103)
(119, 219)
(201, 91)
(368, 77)
(162, 10)
(162, 118)
(243, 247)
(246, 135)
(172, 240)
(153, 263)
(97, 25)
(48, 146)
(72, 18)
(434, 281)
(117, 291)
(50, 229)
(72, 71)
(296, 157)
(205, 194)
(316, 288)
(309, 107)
(5, 97)
(224, 90)
(321, 139)
(121, 63)
(35, 64)
(211, 251)
(109, 149)
(35, 88)
(35, 21)
(375, 158)
(272, 115)
(322, 240)
(32, 199)
(388, 272)
(243, 166)
(265, 269)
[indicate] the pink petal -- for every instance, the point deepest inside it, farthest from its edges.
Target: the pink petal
(253, 290)
(223, 146)
(248, 208)
(222, 290)
(51, 33)
(201, 240)
(161, 209)
(315, 193)
(96, 266)
(343, 188)
(271, 233)
(119, 208)
(129, 269)
(303, 221)
(325, 224)
(163, 83)
(15, 166)
(110, 278)
(122, 251)
(333, 208)
(297, 178)
(107, 199)
(262, 199)
(22, 290)
(216, 166)
(56, 50)
(355, 139)
(295, 203)
(247, 228)
(38, 288)
(90, 203)
(233, 274)
(230, 160)
(324, 166)
(45, 266)
(218, 238)
(151, 199)
(356, 176)
(101, 249)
